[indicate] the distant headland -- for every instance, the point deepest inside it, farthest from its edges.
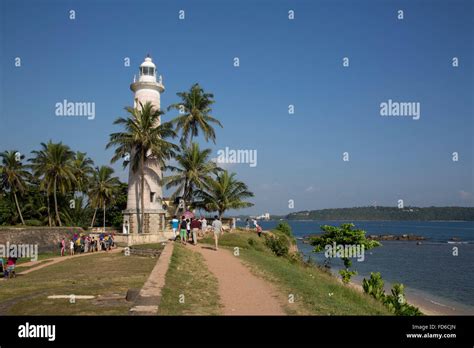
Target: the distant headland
(386, 213)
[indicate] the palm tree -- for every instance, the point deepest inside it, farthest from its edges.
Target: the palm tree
(143, 139)
(194, 109)
(77, 215)
(14, 176)
(83, 168)
(52, 164)
(192, 170)
(223, 193)
(103, 188)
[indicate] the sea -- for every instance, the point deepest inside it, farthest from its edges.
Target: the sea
(438, 273)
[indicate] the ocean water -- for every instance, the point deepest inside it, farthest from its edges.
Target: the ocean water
(429, 270)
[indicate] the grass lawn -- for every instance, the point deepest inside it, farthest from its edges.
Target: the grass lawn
(41, 256)
(103, 274)
(314, 291)
(188, 275)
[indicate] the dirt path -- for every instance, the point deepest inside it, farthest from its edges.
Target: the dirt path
(36, 265)
(241, 292)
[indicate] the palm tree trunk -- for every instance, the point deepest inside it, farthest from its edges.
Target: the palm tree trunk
(142, 168)
(104, 216)
(93, 217)
(49, 209)
(56, 204)
(18, 207)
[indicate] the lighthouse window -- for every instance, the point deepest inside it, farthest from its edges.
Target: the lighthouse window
(147, 71)
(152, 197)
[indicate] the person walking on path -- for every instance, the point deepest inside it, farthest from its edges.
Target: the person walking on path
(188, 229)
(203, 225)
(175, 227)
(195, 226)
(182, 231)
(217, 229)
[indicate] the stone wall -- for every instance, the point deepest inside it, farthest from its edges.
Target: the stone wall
(47, 238)
(143, 238)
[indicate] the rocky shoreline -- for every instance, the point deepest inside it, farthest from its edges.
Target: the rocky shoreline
(403, 237)
(398, 237)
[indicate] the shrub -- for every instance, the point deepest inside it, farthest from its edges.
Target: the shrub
(33, 222)
(397, 303)
(296, 257)
(346, 275)
(278, 245)
(285, 228)
(374, 286)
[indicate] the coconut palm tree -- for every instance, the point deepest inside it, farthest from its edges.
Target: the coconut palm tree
(77, 215)
(14, 176)
(223, 193)
(194, 115)
(104, 186)
(52, 164)
(192, 169)
(143, 139)
(83, 168)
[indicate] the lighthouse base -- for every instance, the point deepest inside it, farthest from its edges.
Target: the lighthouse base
(154, 227)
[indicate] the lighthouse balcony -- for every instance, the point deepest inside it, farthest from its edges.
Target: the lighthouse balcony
(145, 81)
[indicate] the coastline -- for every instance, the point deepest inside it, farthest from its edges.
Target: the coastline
(428, 303)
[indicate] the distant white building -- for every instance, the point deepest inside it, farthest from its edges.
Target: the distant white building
(265, 216)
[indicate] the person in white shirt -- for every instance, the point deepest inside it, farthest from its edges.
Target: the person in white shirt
(203, 225)
(217, 228)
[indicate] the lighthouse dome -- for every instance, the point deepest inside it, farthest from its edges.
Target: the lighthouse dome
(148, 63)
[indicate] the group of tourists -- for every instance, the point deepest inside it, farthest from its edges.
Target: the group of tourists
(187, 229)
(258, 228)
(87, 244)
(8, 268)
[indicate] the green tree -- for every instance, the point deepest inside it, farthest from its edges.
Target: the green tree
(142, 140)
(52, 164)
(194, 115)
(342, 236)
(193, 167)
(14, 176)
(103, 188)
(223, 193)
(115, 215)
(76, 215)
(83, 168)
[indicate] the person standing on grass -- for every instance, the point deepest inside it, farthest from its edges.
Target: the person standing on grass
(175, 227)
(71, 247)
(182, 231)
(217, 228)
(259, 230)
(63, 247)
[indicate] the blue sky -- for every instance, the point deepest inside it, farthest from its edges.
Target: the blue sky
(282, 62)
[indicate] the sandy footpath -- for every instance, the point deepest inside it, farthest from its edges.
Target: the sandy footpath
(241, 292)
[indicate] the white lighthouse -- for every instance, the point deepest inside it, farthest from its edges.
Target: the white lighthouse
(146, 88)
